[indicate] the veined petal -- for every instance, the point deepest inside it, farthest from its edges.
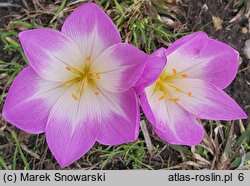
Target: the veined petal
(119, 67)
(201, 57)
(184, 40)
(207, 101)
(155, 64)
(29, 101)
(123, 126)
(91, 29)
(74, 126)
(69, 133)
(49, 52)
(170, 121)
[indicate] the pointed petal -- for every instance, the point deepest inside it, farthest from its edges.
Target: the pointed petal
(124, 127)
(119, 66)
(91, 29)
(69, 133)
(198, 56)
(155, 64)
(49, 52)
(29, 101)
(171, 122)
(208, 101)
(184, 40)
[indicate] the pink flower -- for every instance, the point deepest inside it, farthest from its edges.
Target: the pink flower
(78, 88)
(185, 82)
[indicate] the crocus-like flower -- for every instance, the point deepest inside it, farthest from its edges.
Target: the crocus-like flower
(78, 88)
(185, 82)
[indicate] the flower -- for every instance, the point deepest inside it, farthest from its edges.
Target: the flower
(185, 82)
(78, 88)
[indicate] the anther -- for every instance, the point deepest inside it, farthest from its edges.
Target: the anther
(190, 94)
(68, 68)
(75, 97)
(184, 75)
(162, 97)
(174, 71)
(98, 76)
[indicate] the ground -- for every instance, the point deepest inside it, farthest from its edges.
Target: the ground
(148, 25)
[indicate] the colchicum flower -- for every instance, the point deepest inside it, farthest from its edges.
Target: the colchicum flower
(78, 88)
(185, 82)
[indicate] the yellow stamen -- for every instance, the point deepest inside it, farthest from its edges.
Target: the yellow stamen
(184, 75)
(94, 75)
(84, 77)
(75, 71)
(174, 71)
(190, 94)
(69, 82)
(80, 89)
(162, 96)
(75, 97)
(68, 68)
(167, 86)
(174, 99)
(174, 87)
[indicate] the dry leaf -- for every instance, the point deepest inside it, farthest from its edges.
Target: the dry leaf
(217, 23)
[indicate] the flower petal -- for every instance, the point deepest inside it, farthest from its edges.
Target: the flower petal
(69, 135)
(120, 128)
(184, 40)
(201, 57)
(154, 65)
(29, 101)
(119, 67)
(91, 29)
(207, 101)
(74, 126)
(49, 52)
(170, 122)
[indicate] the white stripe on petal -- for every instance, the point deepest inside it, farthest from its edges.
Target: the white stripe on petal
(207, 101)
(49, 52)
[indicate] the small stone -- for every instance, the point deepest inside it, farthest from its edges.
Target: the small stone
(240, 60)
(244, 30)
(204, 8)
(247, 49)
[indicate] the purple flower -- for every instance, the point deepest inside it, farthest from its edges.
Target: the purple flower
(78, 88)
(185, 82)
